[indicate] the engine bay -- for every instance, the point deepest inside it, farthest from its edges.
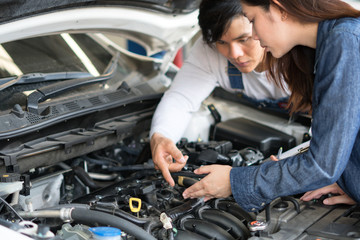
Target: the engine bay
(118, 187)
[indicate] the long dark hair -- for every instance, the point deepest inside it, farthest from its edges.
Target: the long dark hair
(297, 66)
(215, 17)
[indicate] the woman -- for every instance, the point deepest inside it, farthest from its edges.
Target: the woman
(226, 56)
(315, 46)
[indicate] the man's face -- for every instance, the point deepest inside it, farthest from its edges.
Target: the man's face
(238, 46)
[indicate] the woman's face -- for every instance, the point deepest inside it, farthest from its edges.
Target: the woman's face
(271, 28)
(238, 46)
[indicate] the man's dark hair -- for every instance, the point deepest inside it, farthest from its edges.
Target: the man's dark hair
(215, 17)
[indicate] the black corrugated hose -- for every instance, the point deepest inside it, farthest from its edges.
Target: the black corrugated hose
(92, 218)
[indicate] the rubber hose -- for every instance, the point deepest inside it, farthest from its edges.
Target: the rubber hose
(293, 201)
(91, 217)
(147, 223)
(122, 214)
(86, 179)
(187, 207)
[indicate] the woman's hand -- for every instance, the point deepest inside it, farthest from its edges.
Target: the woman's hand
(163, 152)
(341, 196)
(215, 185)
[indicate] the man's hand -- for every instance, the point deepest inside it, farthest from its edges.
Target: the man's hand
(163, 152)
(215, 185)
(334, 189)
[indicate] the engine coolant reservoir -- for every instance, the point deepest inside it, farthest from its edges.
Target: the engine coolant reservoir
(199, 126)
(105, 233)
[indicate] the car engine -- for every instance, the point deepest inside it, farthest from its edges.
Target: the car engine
(118, 187)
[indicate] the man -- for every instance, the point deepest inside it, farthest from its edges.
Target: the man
(226, 56)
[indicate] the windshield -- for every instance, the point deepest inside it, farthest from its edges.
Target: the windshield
(55, 53)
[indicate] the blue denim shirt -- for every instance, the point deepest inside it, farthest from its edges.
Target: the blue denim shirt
(334, 153)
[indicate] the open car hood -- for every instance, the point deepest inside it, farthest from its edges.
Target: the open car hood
(157, 25)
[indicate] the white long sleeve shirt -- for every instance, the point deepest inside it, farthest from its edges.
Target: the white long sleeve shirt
(203, 70)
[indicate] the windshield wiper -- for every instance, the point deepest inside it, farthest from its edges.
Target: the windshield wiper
(46, 92)
(40, 77)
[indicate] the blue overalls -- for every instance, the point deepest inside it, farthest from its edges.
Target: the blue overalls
(236, 82)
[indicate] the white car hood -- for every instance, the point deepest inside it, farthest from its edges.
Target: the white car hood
(171, 29)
